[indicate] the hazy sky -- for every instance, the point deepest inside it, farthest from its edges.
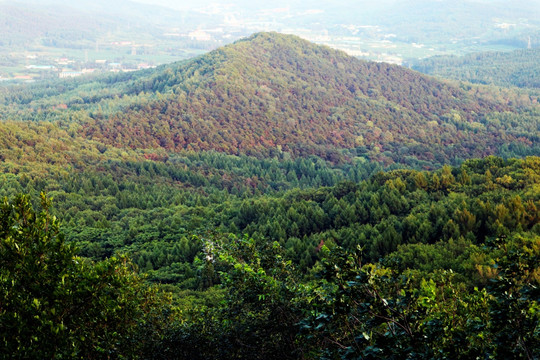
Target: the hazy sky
(527, 5)
(184, 5)
(342, 5)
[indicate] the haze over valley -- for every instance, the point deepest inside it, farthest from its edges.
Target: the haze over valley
(47, 38)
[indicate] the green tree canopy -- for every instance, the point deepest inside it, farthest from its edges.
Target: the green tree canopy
(54, 304)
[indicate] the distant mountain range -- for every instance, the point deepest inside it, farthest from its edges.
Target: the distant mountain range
(28, 22)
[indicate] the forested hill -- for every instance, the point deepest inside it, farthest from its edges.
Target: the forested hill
(279, 256)
(519, 68)
(273, 93)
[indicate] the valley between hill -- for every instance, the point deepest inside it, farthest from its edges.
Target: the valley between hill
(272, 199)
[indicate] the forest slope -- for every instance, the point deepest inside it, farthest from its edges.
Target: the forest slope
(519, 68)
(273, 93)
(326, 268)
(449, 256)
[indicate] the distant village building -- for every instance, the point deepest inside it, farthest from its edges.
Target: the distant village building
(41, 67)
(121, 43)
(142, 66)
(23, 77)
(64, 61)
(69, 74)
(200, 35)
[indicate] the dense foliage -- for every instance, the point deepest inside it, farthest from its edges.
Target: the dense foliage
(271, 94)
(286, 255)
(472, 293)
(407, 263)
(519, 68)
(54, 304)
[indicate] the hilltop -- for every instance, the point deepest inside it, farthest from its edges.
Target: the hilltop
(278, 92)
(273, 93)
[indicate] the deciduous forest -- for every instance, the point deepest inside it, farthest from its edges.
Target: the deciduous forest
(519, 68)
(272, 199)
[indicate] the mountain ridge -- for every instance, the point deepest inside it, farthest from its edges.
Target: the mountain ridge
(517, 68)
(272, 94)
(276, 90)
